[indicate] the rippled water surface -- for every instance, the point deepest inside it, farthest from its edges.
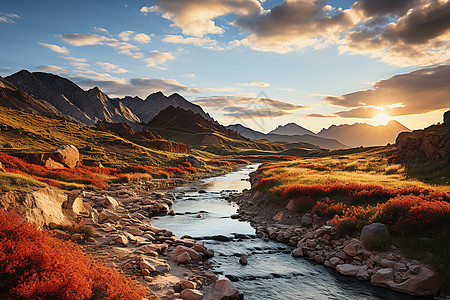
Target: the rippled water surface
(272, 273)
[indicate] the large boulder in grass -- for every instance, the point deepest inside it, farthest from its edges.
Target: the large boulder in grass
(374, 232)
(67, 155)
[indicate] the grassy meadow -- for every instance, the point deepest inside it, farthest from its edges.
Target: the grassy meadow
(360, 188)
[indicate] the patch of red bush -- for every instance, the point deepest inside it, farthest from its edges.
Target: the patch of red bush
(393, 159)
(183, 168)
(34, 265)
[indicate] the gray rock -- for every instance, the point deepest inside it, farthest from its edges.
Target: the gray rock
(374, 231)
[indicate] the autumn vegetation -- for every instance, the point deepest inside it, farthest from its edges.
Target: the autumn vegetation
(355, 190)
(35, 265)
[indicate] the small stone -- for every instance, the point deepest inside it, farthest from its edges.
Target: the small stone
(186, 284)
(183, 258)
(121, 240)
(243, 260)
(190, 294)
(297, 252)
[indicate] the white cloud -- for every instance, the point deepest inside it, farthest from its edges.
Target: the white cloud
(125, 35)
(142, 38)
(8, 17)
(101, 30)
(189, 76)
(256, 83)
(158, 59)
(85, 39)
(111, 67)
(51, 69)
(204, 42)
(55, 48)
(74, 59)
(196, 17)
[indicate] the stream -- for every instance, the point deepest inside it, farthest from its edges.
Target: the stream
(272, 273)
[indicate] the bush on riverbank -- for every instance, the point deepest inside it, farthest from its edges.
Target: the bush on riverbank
(354, 191)
(34, 265)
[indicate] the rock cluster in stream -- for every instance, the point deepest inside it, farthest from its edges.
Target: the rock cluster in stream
(127, 239)
(314, 239)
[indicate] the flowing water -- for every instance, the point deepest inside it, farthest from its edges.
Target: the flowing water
(272, 273)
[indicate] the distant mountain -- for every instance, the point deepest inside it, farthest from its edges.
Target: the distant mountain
(278, 138)
(14, 98)
(187, 120)
(48, 91)
(86, 107)
(361, 134)
(291, 129)
(147, 109)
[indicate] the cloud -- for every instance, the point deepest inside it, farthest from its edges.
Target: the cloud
(417, 92)
(260, 84)
(5, 70)
(204, 42)
(196, 17)
(101, 30)
(293, 25)
(419, 37)
(74, 59)
(111, 67)
(51, 69)
(158, 59)
(319, 116)
(248, 107)
(125, 35)
(189, 76)
(141, 87)
(84, 39)
(55, 48)
(142, 38)
(8, 17)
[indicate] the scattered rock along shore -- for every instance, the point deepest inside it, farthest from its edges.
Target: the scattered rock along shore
(170, 267)
(315, 239)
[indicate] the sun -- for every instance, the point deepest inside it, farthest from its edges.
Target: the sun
(381, 118)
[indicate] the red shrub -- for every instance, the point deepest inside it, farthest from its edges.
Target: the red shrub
(34, 265)
(393, 159)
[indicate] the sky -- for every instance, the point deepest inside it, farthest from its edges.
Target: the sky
(258, 63)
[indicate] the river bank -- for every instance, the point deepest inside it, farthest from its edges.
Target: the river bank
(315, 239)
(170, 267)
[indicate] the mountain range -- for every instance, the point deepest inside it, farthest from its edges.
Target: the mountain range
(326, 143)
(53, 96)
(89, 107)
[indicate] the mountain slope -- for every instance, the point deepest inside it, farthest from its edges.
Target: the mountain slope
(28, 83)
(291, 129)
(147, 109)
(14, 98)
(361, 134)
(278, 138)
(84, 106)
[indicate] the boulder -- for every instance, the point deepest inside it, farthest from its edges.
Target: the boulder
(183, 258)
(154, 263)
(349, 270)
(447, 116)
(134, 231)
(306, 221)
(186, 284)
(107, 215)
(425, 283)
(374, 231)
(383, 277)
(278, 217)
(298, 252)
(67, 155)
(181, 249)
(110, 202)
(121, 240)
(243, 260)
(225, 290)
(78, 207)
(190, 294)
(52, 165)
(196, 163)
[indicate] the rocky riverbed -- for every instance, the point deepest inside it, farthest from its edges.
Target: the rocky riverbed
(315, 239)
(170, 267)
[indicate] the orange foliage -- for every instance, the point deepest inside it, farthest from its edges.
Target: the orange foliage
(393, 159)
(34, 265)
(265, 167)
(183, 168)
(314, 167)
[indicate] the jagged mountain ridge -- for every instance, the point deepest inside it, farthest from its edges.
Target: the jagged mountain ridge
(14, 98)
(147, 109)
(86, 107)
(291, 129)
(362, 134)
(278, 138)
